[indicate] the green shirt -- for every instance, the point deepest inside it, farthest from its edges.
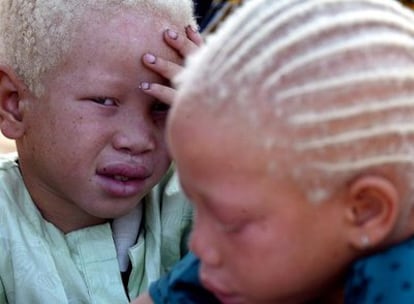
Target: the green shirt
(41, 264)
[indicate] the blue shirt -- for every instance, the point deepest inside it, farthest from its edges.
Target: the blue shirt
(182, 285)
(383, 278)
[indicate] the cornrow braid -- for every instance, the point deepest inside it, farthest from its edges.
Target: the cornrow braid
(338, 74)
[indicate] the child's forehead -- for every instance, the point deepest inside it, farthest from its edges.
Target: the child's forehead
(139, 14)
(121, 21)
(36, 34)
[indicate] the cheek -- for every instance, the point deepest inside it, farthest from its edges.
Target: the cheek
(163, 162)
(159, 136)
(162, 145)
(256, 245)
(267, 247)
(54, 123)
(162, 159)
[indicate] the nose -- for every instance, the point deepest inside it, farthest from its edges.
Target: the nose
(135, 134)
(202, 244)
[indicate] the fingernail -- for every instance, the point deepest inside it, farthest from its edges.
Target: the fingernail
(150, 58)
(172, 34)
(145, 86)
(193, 28)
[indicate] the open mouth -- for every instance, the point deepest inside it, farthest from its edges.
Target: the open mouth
(121, 185)
(121, 178)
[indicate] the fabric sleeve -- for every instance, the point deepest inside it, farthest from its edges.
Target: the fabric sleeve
(181, 285)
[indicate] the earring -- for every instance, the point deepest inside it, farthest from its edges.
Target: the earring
(365, 242)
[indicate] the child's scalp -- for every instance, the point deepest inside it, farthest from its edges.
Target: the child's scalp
(339, 74)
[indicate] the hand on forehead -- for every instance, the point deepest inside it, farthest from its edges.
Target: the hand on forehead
(47, 28)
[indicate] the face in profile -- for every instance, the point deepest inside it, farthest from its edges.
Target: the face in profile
(258, 238)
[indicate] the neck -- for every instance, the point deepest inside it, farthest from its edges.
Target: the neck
(69, 223)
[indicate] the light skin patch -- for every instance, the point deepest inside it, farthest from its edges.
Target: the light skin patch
(94, 127)
(240, 208)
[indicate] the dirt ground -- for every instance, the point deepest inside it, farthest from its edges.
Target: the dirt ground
(6, 145)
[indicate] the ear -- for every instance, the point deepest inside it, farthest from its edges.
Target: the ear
(11, 90)
(372, 210)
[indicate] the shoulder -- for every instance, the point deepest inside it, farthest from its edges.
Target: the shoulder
(12, 187)
(17, 211)
(385, 276)
(10, 181)
(9, 171)
(8, 161)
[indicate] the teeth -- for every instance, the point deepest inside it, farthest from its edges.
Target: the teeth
(121, 178)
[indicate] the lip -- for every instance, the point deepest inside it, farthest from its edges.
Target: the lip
(224, 297)
(123, 180)
(228, 298)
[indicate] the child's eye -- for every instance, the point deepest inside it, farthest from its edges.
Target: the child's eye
(105, 101)
(160, 108)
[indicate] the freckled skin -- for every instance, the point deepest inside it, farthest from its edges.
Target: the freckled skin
(69, 136)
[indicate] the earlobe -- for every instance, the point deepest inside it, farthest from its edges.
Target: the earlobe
(10, 109)
(372, 210)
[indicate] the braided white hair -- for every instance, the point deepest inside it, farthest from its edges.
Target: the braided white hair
(338, 74)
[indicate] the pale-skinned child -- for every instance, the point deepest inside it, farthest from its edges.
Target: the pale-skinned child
(81, 220)
(299, 115)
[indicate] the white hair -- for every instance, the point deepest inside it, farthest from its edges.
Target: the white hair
(35, 34)
(339, 74)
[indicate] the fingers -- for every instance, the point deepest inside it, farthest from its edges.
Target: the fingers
(194, 35)
(165, 68)
(183, 45)
(163, 93)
